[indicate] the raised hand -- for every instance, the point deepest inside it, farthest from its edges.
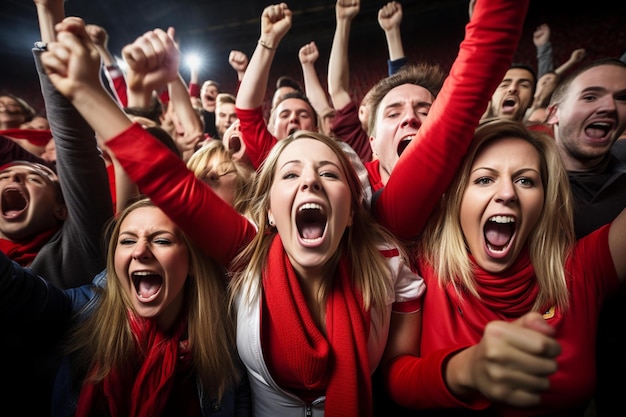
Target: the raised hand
(347, 9)
(153, 60)
(98, 35)
(578, 55)
(72, 62)
(275, 23)
(541, 35)
(390, 16)
(308, 54)
(238, 61)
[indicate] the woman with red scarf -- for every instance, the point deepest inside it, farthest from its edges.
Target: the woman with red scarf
(318, 279)
(510, 317)
(153, 336)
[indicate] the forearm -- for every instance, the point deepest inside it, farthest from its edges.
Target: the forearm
(338, 66)
(421, 382)
(394, 44)
(180, 99)
(428, 165)
(545, 59)
(314, 90)
(49, 16)
(253, 86)
(101, 112)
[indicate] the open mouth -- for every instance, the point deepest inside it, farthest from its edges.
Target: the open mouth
(508, 104)
(292, 131)
(14, 202)
(311, 221)
(403, 144)
(234, 143)
(597, 130)
(147, 285)
(499, 231)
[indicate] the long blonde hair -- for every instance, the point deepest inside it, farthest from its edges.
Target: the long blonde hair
(359, 242)
(104, 339)
(442, 244)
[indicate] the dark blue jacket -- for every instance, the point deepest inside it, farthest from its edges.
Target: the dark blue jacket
(29, 301)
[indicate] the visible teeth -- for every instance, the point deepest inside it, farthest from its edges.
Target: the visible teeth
(144, 273)
(310, 206)
(497, 250)
(408, 138)
(502, 219)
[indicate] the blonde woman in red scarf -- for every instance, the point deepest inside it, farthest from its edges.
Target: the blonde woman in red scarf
(319, 283)
(153, 336)
(510, 317)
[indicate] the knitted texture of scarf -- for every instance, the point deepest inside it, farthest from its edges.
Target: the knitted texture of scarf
(337, 362)
(144, 394)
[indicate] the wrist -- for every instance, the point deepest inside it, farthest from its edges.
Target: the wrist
(267, 44)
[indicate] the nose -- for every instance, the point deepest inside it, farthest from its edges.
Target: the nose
(310, 180)
(506, 193)
(513, 87)
(411, 120)
(607, 104)
(141, 250)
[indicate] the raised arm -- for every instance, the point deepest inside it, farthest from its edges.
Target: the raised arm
(275, 23)
(429, 162)
(390, 19)
(77, 255)
(545, 58)
(72, 64)
(338, 65)
(239, 62)
(575, 57)
(313, 89)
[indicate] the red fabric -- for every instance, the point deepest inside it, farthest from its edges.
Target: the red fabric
(259, 141)
(35, 136)
(146, 393)
(541, 127)
(112, 189)
(338, 362)
(430, 161)
(194, 90)
(174, 192)
(347, 127)
(373, 172)
(119, 85)
(25, 252)
(451, 323)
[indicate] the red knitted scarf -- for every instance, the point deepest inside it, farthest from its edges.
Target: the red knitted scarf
(144, 394)
(337, 362)
(24, 252)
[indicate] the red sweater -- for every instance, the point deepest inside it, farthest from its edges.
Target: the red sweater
(429, 163)
(450, 324)
(175, 192)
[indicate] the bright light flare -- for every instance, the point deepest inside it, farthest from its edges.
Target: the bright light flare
(193, 61)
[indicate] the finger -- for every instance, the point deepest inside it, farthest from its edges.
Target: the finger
(53, 65)
(60, 50)
(527, 339)
(520, 398)
(134, 57)
(145, 45)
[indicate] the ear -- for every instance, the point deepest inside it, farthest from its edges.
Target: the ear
(270, 217)
(552, 118)
(350, 218)
(60, 212)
